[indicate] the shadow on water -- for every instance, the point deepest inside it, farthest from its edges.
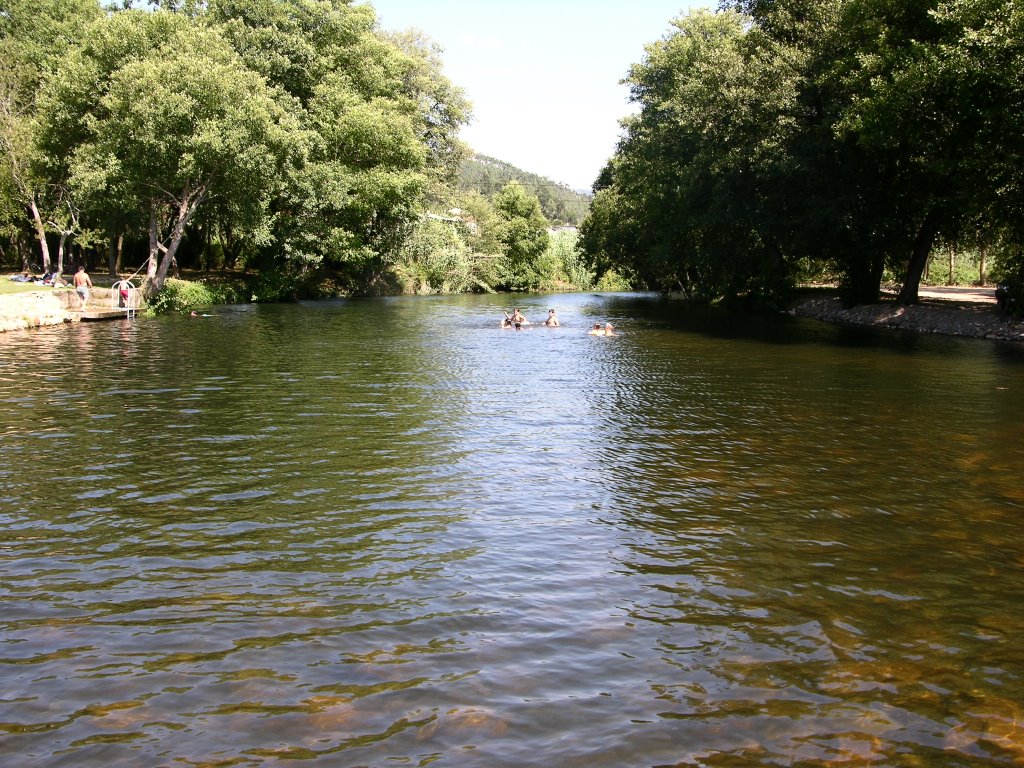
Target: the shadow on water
(774, 328)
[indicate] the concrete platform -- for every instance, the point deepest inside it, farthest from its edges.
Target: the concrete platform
(91, 314)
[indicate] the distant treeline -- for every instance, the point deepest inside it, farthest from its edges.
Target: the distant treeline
(488, 176)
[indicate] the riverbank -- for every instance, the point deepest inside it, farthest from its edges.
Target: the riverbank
(47, 306)
(951, 311)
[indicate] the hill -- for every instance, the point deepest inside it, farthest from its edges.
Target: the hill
(561, 205)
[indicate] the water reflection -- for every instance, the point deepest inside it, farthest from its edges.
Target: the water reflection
(365, 532)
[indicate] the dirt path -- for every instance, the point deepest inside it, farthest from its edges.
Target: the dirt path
(969, 293)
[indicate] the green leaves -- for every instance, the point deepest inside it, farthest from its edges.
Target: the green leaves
(842, 136)
(523, 234)
(303, 128)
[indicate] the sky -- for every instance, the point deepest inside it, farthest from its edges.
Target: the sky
(543, 77)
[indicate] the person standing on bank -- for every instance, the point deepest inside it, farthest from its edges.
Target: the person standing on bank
(83, 284)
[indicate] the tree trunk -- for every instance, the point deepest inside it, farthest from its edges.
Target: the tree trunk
(60, 252)
(112, 256)
(23, 253)
(951, 280)
(190, 201)
(982, 277)
(918, 258)
(37, 220)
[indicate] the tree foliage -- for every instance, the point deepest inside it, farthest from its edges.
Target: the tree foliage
(781, 137)
(523, 234)
(287, 134)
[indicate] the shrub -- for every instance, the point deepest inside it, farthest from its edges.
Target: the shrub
(612, 281)
(181, 296)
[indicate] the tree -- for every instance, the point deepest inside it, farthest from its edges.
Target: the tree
(483, 236)
(16, 145)
(169, 121)
(688, 202)
(34, 36)
(847, 135)
(303, 133)
(379, 118)
(523, 234)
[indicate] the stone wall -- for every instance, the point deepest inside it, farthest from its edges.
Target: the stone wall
(33, 309)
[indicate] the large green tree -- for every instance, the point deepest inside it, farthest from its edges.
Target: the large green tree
(294, 131)
(379, 118)
(522, 232)
(838, 135)
(34, 37)
(692, 198)
(160, 115)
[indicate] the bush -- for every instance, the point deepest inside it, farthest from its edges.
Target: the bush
(562, 265)
(612, 281)
(181, 296)
(435, 259)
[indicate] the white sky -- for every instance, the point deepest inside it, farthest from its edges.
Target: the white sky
(543, 76)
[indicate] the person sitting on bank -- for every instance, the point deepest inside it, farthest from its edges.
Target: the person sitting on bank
(83, 283)
(552, 319)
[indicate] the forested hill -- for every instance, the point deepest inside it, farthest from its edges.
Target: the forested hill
(488, 176)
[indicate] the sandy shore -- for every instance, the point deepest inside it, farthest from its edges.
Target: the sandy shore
(953, 311)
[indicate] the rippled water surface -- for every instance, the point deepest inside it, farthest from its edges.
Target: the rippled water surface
(385, 532)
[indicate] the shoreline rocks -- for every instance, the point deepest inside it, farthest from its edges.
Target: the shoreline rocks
(52, 306)
(33, 309)
(981, 320)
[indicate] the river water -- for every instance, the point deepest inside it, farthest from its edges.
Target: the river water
(386, 532)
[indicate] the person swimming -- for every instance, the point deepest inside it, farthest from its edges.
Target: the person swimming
(597, 330)
(552, 319)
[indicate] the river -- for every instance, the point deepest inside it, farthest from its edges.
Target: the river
(386, 532)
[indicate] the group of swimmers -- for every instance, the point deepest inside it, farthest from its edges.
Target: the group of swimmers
(516, 320)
